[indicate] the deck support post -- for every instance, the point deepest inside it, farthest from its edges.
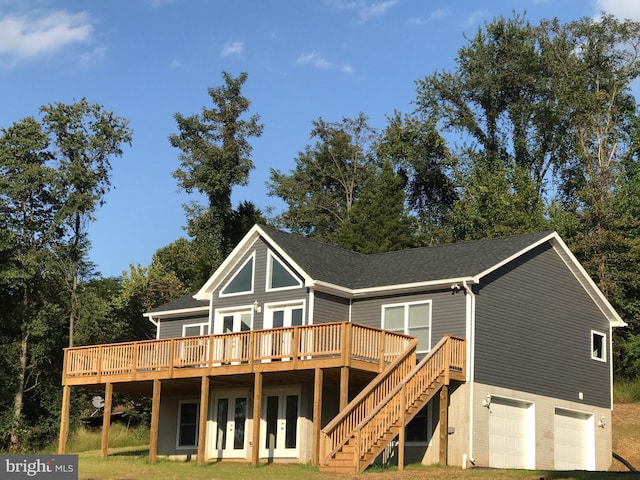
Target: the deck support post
(202, 421)
(257, 413)
(401, 433)
(344, 387)
(317, 416)
(64, 420)
(444, 424)
(155, 421)
(106, 419)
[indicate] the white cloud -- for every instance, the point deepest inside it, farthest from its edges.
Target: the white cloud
(622, 9)
(24, 37)
(476, 16)
(376, 9)
(88, 59)
(232, 48)
(435, 16)
(318, 61)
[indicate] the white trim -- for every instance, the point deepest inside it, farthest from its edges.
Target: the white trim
(267, 288)
(175, 313)
(470, 300)
(180, 403)
(220, 313)
(312, 304)
(271, 306)
(604, 346)
(251, 258)
(406, 318)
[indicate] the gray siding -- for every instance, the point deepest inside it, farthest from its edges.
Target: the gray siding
(533, 331)
(448, 314)
(173, 328)
(329, 308)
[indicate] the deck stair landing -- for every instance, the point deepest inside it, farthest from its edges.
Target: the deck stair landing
(358, 434)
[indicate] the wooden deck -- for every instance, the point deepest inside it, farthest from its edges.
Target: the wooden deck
(328, 345)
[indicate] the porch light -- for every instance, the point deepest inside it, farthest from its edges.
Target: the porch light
(257, 307)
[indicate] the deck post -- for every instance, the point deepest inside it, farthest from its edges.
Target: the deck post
(155, 421)
(64, 419)
(317, 416)
(444, 424)
(401, 433)
(106, 419)
(344, 387)
(202, 421)
(257, 412)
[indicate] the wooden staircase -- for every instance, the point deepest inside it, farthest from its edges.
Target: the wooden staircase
(358, 434)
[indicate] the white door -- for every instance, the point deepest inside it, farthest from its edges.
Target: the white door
(230, 420)
(511, 434)
(279, 430)
(279, 344)
(573, 443)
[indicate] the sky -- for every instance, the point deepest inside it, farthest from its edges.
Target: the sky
(146, 60)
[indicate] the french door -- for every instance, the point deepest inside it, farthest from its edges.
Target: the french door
(230, 420)
(279, 430)
(230, 349)
(280, 344)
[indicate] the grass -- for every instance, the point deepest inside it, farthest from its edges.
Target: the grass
(626, 391)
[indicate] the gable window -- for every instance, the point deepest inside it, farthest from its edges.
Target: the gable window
(411, 319)
(279, 276)
(598, 346)
(188, 413)
(242, 281)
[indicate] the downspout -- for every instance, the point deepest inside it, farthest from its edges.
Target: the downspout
(471, 332)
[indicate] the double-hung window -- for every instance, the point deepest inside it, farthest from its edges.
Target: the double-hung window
(411, 319)
(188, 413)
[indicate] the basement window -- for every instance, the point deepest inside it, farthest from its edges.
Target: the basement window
(598, 346)
(188, 413)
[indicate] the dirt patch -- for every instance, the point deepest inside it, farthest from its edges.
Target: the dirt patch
(626, 434)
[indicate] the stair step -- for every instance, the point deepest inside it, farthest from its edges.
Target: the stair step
(338, 469)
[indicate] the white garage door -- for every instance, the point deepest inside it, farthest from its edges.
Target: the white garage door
(573, 441)
(511, 434)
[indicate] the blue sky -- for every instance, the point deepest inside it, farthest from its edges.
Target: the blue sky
(145, 60)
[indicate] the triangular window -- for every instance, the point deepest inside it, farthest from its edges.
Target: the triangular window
(280, 276)
(242, 281)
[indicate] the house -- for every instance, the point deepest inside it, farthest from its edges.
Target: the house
(490, 353)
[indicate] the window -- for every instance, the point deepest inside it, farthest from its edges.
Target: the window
(411, 319)
(194, 330)
(242, 281)
(188, 413)
(598, 346)
(279, 276)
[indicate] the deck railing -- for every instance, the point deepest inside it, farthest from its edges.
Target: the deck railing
(329, 340)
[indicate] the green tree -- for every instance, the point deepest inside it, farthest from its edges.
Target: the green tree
(28, 269)
(379, 220)
(497, 102)
(85, 137)
(328, 177)
(215, 156)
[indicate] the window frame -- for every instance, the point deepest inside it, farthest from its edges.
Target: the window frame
(250, 258)
(273, 258)
(204, 327)
(603, 336)
(195, 402)
(406, 329)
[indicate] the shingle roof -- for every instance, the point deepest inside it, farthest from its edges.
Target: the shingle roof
(349, 269)
(181, 303)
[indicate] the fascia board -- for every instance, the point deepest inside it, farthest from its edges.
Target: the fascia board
(364, 292)
(175, 313)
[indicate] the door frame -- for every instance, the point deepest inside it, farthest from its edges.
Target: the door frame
(212, 451)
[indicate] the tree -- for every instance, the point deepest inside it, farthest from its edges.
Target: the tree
(28, 267)
(379, 221)
(497, 101)
(328, 177)
(215, 156)
(85, 137)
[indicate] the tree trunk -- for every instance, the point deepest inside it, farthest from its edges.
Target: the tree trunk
(18, 399)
